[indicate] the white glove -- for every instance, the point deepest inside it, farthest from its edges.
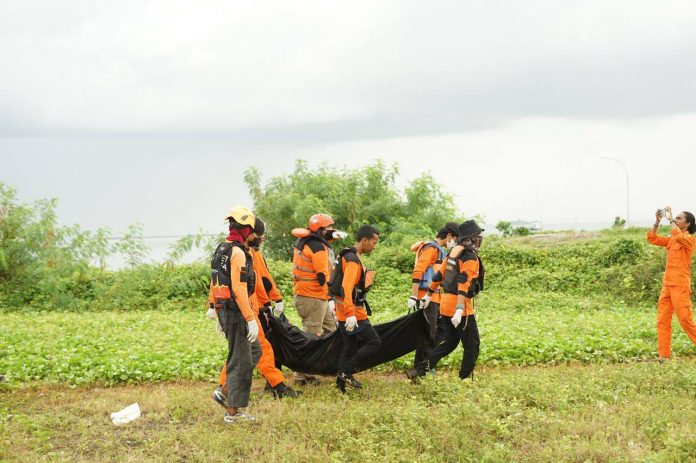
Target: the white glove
(332, 307)
(425, 302)
(211, 314)
(278, 309)
(412, 302)
(457, 317)
(351, 323)
(253, 331)
(339, 235)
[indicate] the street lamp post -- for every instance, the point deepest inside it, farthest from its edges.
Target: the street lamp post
(628, 216)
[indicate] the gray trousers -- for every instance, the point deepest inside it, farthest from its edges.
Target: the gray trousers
(242, 356)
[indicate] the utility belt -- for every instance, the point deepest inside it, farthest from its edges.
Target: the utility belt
(228, 304)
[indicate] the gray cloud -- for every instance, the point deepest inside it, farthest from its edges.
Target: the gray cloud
(313, 72)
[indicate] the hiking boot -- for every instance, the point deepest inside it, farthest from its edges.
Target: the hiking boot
(341, 382)
(344, 381)
(220, 397)
(267, 387)
(281, 391)
(238, 417)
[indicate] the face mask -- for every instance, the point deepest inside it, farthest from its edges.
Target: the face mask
(255, 243)
(451, 244)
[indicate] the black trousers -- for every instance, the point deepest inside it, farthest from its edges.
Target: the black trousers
(358, 346)
(420, 361)
(242, 355)
(448, 337)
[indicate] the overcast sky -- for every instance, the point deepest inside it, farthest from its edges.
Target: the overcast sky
(150, 111)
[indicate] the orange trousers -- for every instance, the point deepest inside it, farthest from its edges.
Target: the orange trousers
(266, 365)
(673, 299)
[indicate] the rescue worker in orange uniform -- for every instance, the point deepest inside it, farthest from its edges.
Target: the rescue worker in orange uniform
(461, 278)
(675, 296)
(265, 286)
(350, 282)
(310, 275)
(232, 283)
(429, 257)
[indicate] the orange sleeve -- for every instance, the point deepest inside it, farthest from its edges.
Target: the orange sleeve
(260, 292)
(266, 289)
(238, 276)
(654, 238)
(320, 261)
(351, 277)
(274, 292)
(437, 280)
(468, 270)
(426, 258)
(685, 239)
(439, 274)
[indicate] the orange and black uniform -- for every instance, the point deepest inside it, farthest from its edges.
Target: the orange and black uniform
(461, 275)
(232, 286)
(266, 291)
(428, 261)
(266, 364)
(310, 268)
(363, 341)
(675, 296)
(310, 275)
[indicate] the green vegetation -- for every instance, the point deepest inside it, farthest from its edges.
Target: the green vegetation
(140, 346)
(566, 321)
(627, 412)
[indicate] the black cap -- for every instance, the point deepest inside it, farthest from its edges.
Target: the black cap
(451, 227)
(469, 228)
(259, 227)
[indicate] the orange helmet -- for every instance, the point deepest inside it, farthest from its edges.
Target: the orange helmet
(318, 221)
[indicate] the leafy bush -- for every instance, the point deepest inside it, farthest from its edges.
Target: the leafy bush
(352, 197)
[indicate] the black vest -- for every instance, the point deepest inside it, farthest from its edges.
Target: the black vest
(451, 278)
(220, 267)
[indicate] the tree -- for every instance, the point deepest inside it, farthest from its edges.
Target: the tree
(521, 231)
(504, 227)
(619, 222)
(353, 197)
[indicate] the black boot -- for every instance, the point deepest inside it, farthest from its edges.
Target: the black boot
(282, 390)
(344, 381)
(341, 382)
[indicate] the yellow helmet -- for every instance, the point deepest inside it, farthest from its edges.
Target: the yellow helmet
(242, 216)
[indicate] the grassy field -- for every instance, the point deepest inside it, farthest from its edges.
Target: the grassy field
(134, 347)
(566, 371)
(642, 411)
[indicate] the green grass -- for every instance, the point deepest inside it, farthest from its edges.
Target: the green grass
(134, 347)
(642, 411)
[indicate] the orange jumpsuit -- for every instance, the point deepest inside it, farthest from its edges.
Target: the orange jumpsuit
(266, 365)
(675, 296)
